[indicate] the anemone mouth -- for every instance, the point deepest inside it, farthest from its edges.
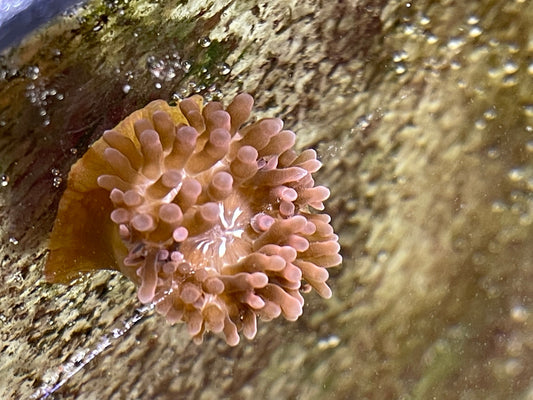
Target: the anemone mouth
(226, 242)
(215, 222)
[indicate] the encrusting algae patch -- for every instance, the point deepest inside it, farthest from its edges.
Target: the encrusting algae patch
(215, 223)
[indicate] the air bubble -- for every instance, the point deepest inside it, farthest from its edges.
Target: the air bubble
(4, 180)
(519, 313)
(513, 48)
(13, 240)
(431, 38)
(472, 20)
(494, 42)
(186, 65)
(475, 31)
(456, 43)
(528, 110)
(400, 68)
(516, 174)
(490, 114)
(455, 65)
(126, 89)
(362, 123)
(171, 74)
(494, 72)
(509, 81)
(382, 256)
(510, 67)
(493, 153)
(408, 29)
(224, 69)
(204, 42)
(498, 207)
(424, 20)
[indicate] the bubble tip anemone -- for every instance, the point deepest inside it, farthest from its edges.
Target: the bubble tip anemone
(217, 225)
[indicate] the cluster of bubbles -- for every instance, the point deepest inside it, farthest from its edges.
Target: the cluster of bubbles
(7, 70)
(168, 67)
(447, 50)
(4, 180)
(38, 95)
(485, 67)
(35, 91)
(57, 179)
(165, 68)
(503, 66)
(520, 202)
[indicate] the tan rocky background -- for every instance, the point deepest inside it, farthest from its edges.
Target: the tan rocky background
(422, 113)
